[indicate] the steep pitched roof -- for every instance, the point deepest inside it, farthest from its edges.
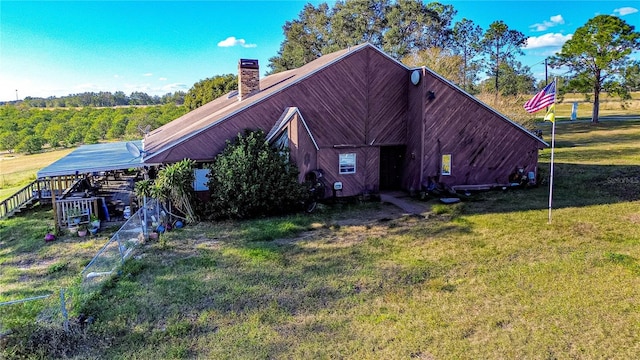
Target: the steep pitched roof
(224, 107)
(219, 110)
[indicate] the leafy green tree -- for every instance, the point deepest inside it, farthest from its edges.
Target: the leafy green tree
(439, 30)
(55, 135)
(501, 44)
(412, 26)
(8, 141)
(632, 77)
(356, 22)
(74, 137)
(250, 178)
(30, 144)
(466, 43)
(306, 38)
(515, 79)
(209, 89)
(398, 27)
(597, 55)
(91, 136)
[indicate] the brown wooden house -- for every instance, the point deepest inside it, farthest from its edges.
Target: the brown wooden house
(367, 121)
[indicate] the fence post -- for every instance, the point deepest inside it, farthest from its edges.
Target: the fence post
(120, 249)
(63, 309)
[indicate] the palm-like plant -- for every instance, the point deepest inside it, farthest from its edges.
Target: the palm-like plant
(174, 184)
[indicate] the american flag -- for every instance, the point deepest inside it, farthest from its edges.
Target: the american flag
(542, 99)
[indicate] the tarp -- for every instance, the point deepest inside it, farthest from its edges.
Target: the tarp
(95, 158)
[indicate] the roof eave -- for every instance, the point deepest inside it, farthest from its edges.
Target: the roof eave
(257, 100)
(515, 124)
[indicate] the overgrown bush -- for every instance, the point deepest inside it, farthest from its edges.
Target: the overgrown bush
(250, 178)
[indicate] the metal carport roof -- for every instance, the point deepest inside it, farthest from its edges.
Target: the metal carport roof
(94, 158)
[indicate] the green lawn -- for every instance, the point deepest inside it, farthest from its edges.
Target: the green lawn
(17, 170)
(484, 279)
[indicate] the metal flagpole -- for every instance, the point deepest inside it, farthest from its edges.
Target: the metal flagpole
(553, 143)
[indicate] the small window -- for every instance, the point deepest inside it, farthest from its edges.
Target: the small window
(348, 163)
(282, 145)
(446, 164)
(282, 142)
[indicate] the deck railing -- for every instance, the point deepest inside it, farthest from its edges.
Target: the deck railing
(81, 208)
(37, 190)
(24, 197)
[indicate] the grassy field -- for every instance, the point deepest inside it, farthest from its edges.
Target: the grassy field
(17, 170)
(488, 278)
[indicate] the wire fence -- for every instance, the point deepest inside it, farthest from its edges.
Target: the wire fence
(54, 310)
(134, 232)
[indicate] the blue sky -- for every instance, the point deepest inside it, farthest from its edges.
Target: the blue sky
(54, 48)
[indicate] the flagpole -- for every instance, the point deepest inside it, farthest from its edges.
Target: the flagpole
(553, 143)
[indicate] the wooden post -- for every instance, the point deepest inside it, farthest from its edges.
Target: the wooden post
(55, 207)
(38, 189)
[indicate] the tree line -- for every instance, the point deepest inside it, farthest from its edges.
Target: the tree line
(414, 33)
(28, 130)
(596, 59)
(100, 99)
(30, 125)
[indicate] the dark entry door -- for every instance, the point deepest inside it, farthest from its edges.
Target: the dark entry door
(391, 166)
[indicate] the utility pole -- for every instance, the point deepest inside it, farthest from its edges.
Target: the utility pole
(546, 74)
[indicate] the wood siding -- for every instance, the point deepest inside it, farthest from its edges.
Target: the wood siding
(485, 148)
(303, 152)
(361, 101)
(334, 101)
(366, 177)
(387, 105)
(415, 132)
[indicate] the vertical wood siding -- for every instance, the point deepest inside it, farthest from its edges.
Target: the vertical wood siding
(415, 125)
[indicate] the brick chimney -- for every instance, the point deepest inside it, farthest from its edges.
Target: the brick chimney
(248, 78)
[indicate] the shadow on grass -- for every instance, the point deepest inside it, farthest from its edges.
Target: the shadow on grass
(574, 185)
(576, 129)
(246, 283)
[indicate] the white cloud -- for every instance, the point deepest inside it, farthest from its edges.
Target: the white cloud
(147, 74)
(625, 11)
(553, 21)
(232, 41)
(550, 39)
(557, 19)
(162, 79)
(129, 88)
(174, 87)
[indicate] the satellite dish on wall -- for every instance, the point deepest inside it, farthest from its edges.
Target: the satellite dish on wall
(134, 150)
(415, 77)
